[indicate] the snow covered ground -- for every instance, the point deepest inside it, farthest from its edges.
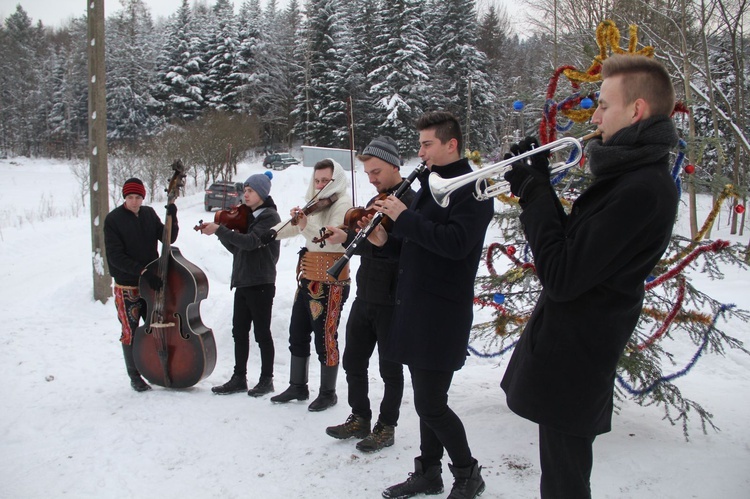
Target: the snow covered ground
(72, 427)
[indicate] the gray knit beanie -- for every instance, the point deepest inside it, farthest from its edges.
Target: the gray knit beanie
(385, 148)
(260, 183)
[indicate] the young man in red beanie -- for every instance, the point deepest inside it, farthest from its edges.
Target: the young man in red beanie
(131, 234)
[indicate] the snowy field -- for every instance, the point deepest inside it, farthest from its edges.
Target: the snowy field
(72, 427)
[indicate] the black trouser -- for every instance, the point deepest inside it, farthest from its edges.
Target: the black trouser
(252, 307)
(566, 464)
(368, 325)
(439, 427)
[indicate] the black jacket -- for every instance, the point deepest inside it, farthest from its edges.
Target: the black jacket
(130, 241)
(439, 250)
(377, 275)
(592, 267)
(253, 263)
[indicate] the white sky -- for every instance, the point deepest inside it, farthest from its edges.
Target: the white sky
(55, 12)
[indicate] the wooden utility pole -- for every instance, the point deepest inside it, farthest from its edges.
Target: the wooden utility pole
(97, 119)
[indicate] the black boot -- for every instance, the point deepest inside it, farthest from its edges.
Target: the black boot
(136, 382)
(297, 382)
(235, 384)
(467, 483)
(265, 385)
(423, 481)
(327, 396)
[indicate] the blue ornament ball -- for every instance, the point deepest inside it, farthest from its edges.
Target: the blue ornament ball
(499, 298)
(269, 174)
(586, 103)
(518, 105)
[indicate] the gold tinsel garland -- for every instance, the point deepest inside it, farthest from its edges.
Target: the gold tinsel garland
(725, 193)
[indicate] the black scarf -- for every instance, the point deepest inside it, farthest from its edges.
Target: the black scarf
(644, 143)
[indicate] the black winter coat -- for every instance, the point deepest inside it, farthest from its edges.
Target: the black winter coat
(253, 263)
(592, 267)
(377, 275)
(438, 260)
(130, 242)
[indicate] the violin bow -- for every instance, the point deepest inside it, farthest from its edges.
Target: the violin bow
(309, 203)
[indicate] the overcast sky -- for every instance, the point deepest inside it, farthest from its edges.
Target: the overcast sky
(55, 12)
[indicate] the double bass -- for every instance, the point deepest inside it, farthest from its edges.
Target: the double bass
(173, 348)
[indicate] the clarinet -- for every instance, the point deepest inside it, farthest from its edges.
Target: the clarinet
(337, 267)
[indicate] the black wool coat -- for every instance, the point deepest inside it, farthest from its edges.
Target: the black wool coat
(592, 267)
(438, 260)
(130, 241)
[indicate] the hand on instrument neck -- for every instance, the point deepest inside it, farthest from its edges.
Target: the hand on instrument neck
(299, 218)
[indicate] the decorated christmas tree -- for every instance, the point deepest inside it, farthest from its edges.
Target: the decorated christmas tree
(675, 314)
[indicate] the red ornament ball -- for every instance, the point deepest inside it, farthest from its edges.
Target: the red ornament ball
(740, 209)
(690, 169)
(511, 250)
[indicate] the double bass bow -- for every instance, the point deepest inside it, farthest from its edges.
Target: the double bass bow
(173, 348)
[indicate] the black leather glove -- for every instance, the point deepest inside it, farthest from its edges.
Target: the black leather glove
(172, 210)
(268, 237)
(154, 281)
(529, 176)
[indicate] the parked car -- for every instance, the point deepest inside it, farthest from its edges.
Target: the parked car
(280, 161)
(223, 195)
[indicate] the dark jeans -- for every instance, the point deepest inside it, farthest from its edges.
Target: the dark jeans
(368, 325)
(439, 427)
(317, 309)
(566, 464)
(252, 307)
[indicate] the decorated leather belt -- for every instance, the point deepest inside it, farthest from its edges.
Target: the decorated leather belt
(126, 287)
(313, 266)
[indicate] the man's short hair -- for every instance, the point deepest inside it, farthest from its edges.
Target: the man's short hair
(642, 78)
(323, 164)
(445, 125)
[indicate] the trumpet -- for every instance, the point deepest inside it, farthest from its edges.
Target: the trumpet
(441, 188)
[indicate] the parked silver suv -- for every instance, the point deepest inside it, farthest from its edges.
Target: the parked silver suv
(223, 195)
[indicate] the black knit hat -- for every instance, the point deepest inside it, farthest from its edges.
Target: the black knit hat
(385, 148)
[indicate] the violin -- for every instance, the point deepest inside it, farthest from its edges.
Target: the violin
(354, 215)
(234, 218)
(312, 207)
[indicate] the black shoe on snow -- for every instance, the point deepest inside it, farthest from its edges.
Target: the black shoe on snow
(355, 426)
(235, 384)
(421, 481)
(324, 400)
(294, 392)
(137, 383)
(265, 385)
(467, 483)
(382, 436)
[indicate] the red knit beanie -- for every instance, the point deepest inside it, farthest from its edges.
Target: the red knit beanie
(133, 186)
